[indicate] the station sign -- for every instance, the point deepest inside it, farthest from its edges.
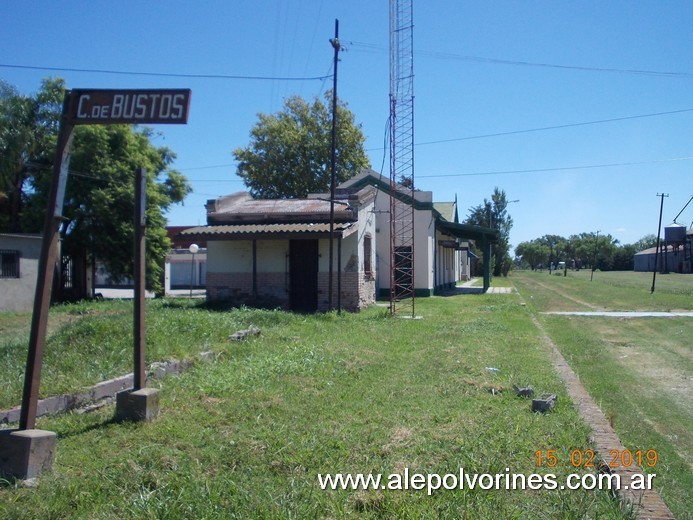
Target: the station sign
(102, 106)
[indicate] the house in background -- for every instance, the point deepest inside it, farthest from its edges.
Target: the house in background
(276, 252)
(183, 269)
(19, 258)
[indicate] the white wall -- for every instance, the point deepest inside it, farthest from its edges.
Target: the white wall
(424, 242)
(17, 294)
(229, 256)
(181, 271)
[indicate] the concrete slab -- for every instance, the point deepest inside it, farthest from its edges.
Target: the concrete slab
(129, 294)
(626, 314)
(137, 405)
(26, 454)
(499, 290)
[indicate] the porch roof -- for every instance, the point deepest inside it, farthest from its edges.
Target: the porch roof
(269, 231)
(469, 231)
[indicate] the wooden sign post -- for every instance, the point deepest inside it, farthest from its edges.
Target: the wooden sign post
(27, 452)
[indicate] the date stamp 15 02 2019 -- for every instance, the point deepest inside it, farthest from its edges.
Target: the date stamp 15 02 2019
(589, 459)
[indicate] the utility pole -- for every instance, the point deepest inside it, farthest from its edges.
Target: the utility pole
(333, 159)
(659, 234)
(594, 259)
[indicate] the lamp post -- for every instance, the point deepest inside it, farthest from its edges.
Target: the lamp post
(194, 248)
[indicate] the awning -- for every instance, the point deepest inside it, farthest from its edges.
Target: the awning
(269, 231)
(469, 231)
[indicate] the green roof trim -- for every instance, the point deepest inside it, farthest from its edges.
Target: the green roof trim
(469, 231)
(371, 180)
(446, 210)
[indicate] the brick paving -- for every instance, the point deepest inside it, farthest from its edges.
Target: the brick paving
(647, 504)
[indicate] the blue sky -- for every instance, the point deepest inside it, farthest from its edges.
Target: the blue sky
(481, 69)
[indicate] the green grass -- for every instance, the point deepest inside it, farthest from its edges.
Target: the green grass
(246, 435)
(501, 281)
(638, 370)
(92, 342)
(607, 291)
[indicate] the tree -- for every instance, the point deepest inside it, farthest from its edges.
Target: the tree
(556, 246)
(534, 253)
(28, 129)
(594, 250)
(586, 249)
(99, 199)
(289, 154)
(494, 214)
(645, 242)
(623, 258)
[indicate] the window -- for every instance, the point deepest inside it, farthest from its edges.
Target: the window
(367, 255)
(9, 264)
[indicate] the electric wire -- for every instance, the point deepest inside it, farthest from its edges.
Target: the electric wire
(312, 38)
(559, 168)
(461, 57)
(470, 174)
(546, 128)
(167, 74)
(555, 127)
(684, 208)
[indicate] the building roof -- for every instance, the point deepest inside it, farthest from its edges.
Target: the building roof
(173, 233)
(447, 210)
(275, 230)
(242, 208)
(423, 200)
(662, 248)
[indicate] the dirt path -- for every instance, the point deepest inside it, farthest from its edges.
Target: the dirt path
(567, 296)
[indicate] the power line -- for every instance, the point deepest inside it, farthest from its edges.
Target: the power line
(500, 172)
(165, 74)
(216, 180)
(441, 175)
(556, 127)
(544, 128)
(211, 167)
(684, 208)
(559, 168)
(496, 61)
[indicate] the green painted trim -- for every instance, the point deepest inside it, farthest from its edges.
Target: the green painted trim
(385, 187)
(469, 231)
(384, 294)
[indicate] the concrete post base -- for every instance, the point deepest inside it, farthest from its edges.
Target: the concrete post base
(26, 454)
(137, 405)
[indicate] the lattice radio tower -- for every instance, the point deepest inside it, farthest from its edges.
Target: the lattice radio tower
(401, 157)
